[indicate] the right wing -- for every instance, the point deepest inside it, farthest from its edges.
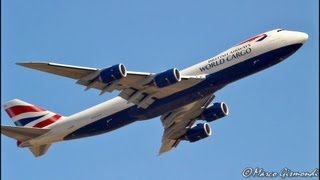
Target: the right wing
(177, 122)
(135, 87)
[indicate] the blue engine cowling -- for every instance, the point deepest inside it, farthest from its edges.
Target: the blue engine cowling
(113, 73)
(167, 78)
(200, 131)
(214, 112)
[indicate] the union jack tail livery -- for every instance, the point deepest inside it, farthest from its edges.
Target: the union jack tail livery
(28, 115)
(32, 122)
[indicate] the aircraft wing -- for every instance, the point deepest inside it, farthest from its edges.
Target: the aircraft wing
(136, 87)
(179, 120)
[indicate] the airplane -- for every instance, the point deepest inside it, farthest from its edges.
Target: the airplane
(181, 98)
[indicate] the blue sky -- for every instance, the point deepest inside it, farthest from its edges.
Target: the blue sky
(274, 117)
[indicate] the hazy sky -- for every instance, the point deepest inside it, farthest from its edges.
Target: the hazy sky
(274, 117)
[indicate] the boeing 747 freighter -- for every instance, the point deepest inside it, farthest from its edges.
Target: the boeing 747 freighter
(180, 97)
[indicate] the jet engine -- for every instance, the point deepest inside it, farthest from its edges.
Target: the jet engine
(198, 132)
(113, 73)
(167, 78)
(214, 112)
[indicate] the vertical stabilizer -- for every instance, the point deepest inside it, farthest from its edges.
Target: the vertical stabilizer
(29, 115)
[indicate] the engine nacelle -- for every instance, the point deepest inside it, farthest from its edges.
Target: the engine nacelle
(113, 73)
(167, 78)
(200, 131)
(214, 112)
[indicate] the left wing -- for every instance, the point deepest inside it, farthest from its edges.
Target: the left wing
(179, 120)
(136, 87)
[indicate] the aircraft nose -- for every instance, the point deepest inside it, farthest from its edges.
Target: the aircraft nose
(302, 37)
(295, 37)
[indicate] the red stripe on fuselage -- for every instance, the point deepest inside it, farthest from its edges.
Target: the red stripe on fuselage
(252, 39)
(48, 121)
(16, 110)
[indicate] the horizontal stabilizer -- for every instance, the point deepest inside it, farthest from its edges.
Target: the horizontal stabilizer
(39, 150)
(22, 133)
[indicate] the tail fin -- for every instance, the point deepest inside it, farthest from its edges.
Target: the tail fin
(31, 121)
(28, 115)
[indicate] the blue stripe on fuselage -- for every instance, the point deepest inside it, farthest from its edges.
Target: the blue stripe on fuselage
(212, 83)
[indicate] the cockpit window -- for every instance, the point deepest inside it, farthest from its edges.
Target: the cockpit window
(280, 30)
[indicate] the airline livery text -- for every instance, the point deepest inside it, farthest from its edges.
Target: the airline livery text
(226, 57)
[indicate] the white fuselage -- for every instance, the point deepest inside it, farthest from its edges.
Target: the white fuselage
(245, 51)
